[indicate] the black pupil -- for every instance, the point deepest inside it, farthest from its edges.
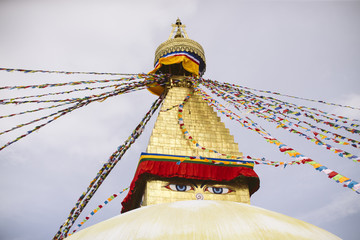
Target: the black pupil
(217, 190)
(181, 188)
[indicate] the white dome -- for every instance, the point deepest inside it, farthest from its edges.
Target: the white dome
(202, 220)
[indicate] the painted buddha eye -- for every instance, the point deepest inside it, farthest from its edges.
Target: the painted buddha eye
(219, 190)
(179, 187)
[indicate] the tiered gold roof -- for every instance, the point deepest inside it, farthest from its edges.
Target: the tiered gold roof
(201, 121)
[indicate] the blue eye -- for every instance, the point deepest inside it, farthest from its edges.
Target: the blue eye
(218, 190)
(179, 187)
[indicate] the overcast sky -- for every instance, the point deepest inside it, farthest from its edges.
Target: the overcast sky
(304, 48)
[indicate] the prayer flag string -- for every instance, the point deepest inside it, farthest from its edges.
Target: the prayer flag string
(263, 107)
(284, 107)
(315, 140)
(285, 95)
(105, 170)
(231, 115)
(300, 158)
(107, 201)
(34, 110)
(36, 120)
(58, 115)
(80, 102)
(309, 112)
(47, 85)
(279, 103)
(61, 72)
(260, 111)
(71, 100)
(186, 133)
(60, 93)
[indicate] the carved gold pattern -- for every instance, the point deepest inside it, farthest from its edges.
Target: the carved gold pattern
(179, 81)
(179, 44)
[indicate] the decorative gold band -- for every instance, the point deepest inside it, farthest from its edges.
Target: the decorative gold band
(179, 44)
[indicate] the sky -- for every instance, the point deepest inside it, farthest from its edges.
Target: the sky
(308, 49)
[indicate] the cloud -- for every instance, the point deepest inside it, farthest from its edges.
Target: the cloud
(352, 100)
(340, 207)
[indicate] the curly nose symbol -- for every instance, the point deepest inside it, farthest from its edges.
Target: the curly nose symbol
(199, 196)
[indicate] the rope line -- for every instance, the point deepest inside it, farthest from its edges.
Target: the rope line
(61, 72)
(46, 85)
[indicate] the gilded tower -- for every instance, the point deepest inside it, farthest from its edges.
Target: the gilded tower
(173, 168)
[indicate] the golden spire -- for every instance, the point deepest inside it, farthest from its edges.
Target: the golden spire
(173, 168)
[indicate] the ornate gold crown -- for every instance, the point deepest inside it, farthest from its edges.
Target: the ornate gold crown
(179, 43)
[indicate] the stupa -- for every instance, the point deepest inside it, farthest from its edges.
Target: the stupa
(182, 190)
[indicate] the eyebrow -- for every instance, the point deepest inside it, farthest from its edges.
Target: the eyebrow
(203, 184)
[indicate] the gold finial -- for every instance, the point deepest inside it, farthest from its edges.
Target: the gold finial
(178, 22)
(180, 30)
